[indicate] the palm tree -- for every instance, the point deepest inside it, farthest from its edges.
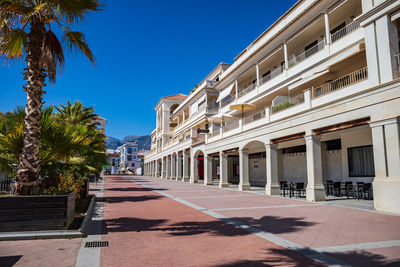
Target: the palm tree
(26, 30)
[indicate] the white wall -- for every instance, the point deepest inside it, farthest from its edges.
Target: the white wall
(257, 169)
(294, 167)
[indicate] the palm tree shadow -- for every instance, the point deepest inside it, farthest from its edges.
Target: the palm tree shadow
(7, 261)
(121, 199)
(131, 224)
(270, 224)
(365, 259)
(134, 189)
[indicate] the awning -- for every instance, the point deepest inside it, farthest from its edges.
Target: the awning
(224, 93)
(309, 77)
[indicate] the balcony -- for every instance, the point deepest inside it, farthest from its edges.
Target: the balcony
(271, 75)
(254, 117)
(244, 90)
(226, 101)
(290, 102)
(337, 84)
(309, 52)
(230, 125)
(199, 139)
(344, 31)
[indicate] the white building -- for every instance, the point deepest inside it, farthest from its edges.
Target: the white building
(129, 159)
(320, 98)
(113, 160)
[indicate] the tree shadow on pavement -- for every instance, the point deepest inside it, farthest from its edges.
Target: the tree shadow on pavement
(121, 199)
(131, 224)
(365, 259)
(270, 224)
(6, 261)
(275, 257)
(134, 189)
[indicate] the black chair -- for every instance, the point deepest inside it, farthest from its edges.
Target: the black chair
(283, 187)
(299, 189)
(367, 191)
(359, 190)
(329, 187)
(337, 189)
(349, 189)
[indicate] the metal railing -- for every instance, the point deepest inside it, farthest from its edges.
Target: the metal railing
(254, 117)
(272, 75)
(344, 31)
(398, 62)
(291, 102)
(231, 125)
(311, 51)
(344, 81)
(5, 186)
(244, 90)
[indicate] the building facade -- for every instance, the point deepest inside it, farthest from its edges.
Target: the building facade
(315, 98)
(128, 154)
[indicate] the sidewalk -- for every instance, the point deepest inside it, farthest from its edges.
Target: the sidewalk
(145, 228)
(156, 222)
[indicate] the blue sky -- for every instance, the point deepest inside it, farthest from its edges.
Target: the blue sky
(145, 50)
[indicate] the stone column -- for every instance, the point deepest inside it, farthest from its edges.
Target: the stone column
(168, 167)
(244, 170)
(223, 170)
(285, 55)
(163, 168)
(315, 190)
(388, 47)
(178, 166)
(194, 169)
(327, 28)
(185, 166)
(173, 167)
(272, 187)
(258, 74)
(207, 170)
(386, 146)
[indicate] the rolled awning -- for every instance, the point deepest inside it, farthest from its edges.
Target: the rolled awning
(309, 77)
(224, 93)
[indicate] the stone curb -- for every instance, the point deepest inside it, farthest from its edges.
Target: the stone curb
(51, 234)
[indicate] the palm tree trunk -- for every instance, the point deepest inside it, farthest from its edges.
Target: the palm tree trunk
(28, 182)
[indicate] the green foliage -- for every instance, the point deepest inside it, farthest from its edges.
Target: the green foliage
(70, 142)
(19, 17)
(282, 106)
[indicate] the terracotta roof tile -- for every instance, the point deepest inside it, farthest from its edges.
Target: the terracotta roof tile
(175, 97)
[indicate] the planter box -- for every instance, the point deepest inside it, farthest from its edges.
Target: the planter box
(34, 213)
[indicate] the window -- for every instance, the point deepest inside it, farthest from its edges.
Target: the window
(334, 144)
(129, 158)
(133, 165)
(129, 150)
(361, 161)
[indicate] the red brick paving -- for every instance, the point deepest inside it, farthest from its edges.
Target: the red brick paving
(147, 229)
(309, 225)
(32, 253)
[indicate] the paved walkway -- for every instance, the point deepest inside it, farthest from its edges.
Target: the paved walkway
(155, 222)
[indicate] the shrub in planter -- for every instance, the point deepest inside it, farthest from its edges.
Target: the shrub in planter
(68, 184)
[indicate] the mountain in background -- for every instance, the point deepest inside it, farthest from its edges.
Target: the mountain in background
(144, 142)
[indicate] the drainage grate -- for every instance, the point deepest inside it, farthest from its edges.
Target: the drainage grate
(96, 244)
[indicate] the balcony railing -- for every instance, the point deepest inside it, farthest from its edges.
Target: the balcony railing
(311, 51)
(226, 101)
(272, 75)
(254, 117)
(245, 90)
(199, 139)
(398, 62)
(349, 79)
(344, 31)
(291, 102)
(231, 125)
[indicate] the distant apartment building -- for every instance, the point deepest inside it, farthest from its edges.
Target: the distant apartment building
(314, 99)
(129, 159)
(113, 160)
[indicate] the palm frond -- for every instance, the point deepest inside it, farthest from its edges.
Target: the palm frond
(53, 56)
(13, 43)
(76, 42)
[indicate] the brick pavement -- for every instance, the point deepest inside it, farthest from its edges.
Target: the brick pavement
(145, 228)
(32, 253)
(321, 227)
